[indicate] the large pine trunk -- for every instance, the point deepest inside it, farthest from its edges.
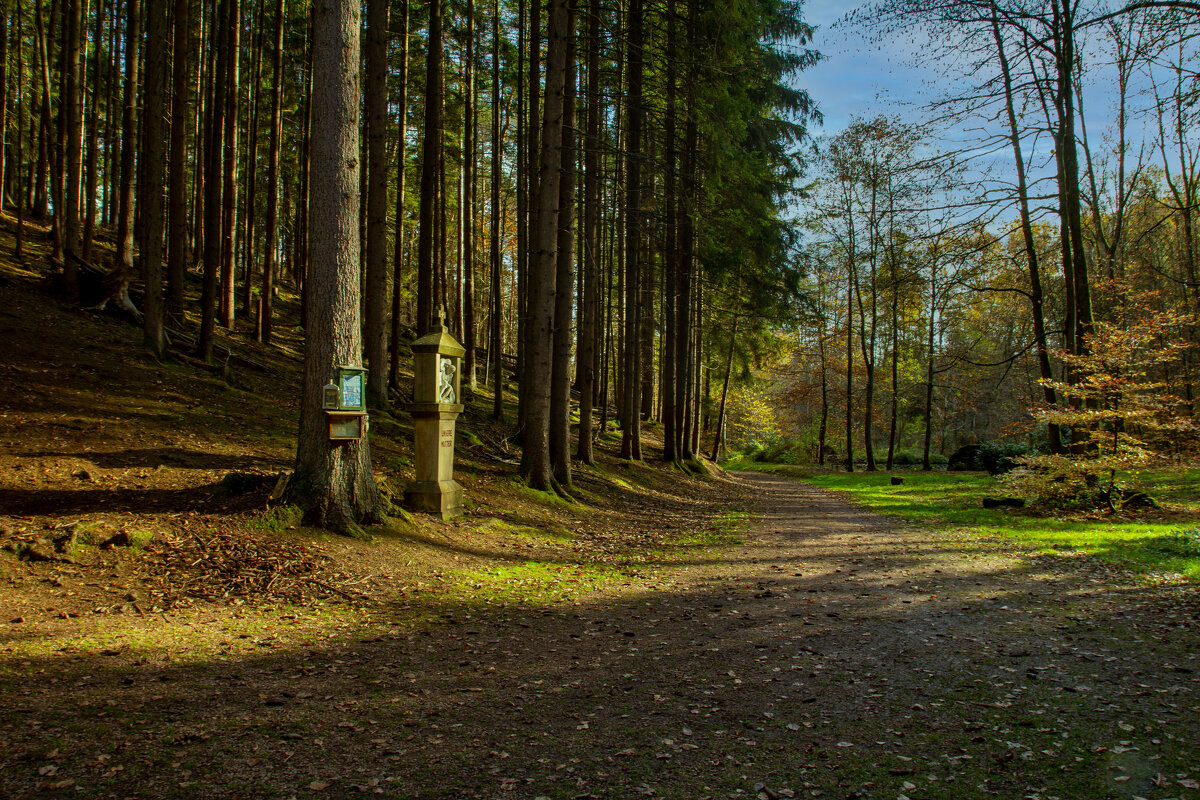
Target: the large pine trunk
(124, 259)
(687, 248)
(401, 174)
(177, 212)
(467, 204)
(585, 359)
(72, 115)
(495, 347)
(631, 424)
(536, 380)
(4, 17)
(93, 125)
(271, 246)
(154, 156)
(333, 480)
(430, 156)
(564, 279)
(214, 129)
(670, 260)
(229, 195)
(377, 201)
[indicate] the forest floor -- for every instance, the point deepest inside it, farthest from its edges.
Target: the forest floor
(166, 632)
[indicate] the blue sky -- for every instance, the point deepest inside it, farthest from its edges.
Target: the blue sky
(859, 76)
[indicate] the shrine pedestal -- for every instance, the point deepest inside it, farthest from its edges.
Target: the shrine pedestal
(435, 407)
(434, 490)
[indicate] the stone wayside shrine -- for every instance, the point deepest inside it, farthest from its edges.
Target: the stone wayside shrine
(435, 407)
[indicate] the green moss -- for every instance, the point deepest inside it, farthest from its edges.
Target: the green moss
(277, 519)
(551, 531)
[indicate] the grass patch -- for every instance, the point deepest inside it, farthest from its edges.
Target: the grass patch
(536, 584)
(1154, 543)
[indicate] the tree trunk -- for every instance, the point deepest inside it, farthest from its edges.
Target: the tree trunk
(670, 260)
(124, 256)
(93, 135)
(266, 309)
(72, 115)
(377, 201)
(229, 195)
(401, 173)
(631, 424)
(536, 461)
(4, 33)
(719, 433)
(40, 199)
(154, 158)
(21, 197)
(823, 430)
(467, 202)
(177, 212)
(527, 259)
(300, 258)
(250, 224)
(333, 480)
(495, 347)
(430, 152)
(585, 359)
(564, 279)
(1031, 255)
(926, 463)
(212, 181)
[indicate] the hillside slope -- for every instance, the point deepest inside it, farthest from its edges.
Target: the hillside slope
(132, 489)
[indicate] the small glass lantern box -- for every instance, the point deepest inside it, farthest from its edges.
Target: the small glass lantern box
(344, 401)
(435, 407)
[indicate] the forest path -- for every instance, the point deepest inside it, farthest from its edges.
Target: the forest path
(834, 653)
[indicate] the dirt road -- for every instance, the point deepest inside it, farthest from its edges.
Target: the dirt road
(832, 654)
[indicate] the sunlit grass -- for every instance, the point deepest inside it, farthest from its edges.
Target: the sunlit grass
(531, 584)
(1166, 541)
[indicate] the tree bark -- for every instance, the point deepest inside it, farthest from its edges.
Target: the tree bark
(93, 135)
(377, 201)
(719, 433)
(124, 256)
(1031, 256)
(467, 202)
(926, 463)
(229, 195)
(4, 34)
(401, 174)
(212, 182)
(430, 153)
(249, 250)
(266, 309)
(177, 212)
(564, 279)
(631, 424)
(72, 113)
(333, 480)
(585, 359)
(21, 197)
(536, 461)
(670, 259)
(154, 157)
(495, 346)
